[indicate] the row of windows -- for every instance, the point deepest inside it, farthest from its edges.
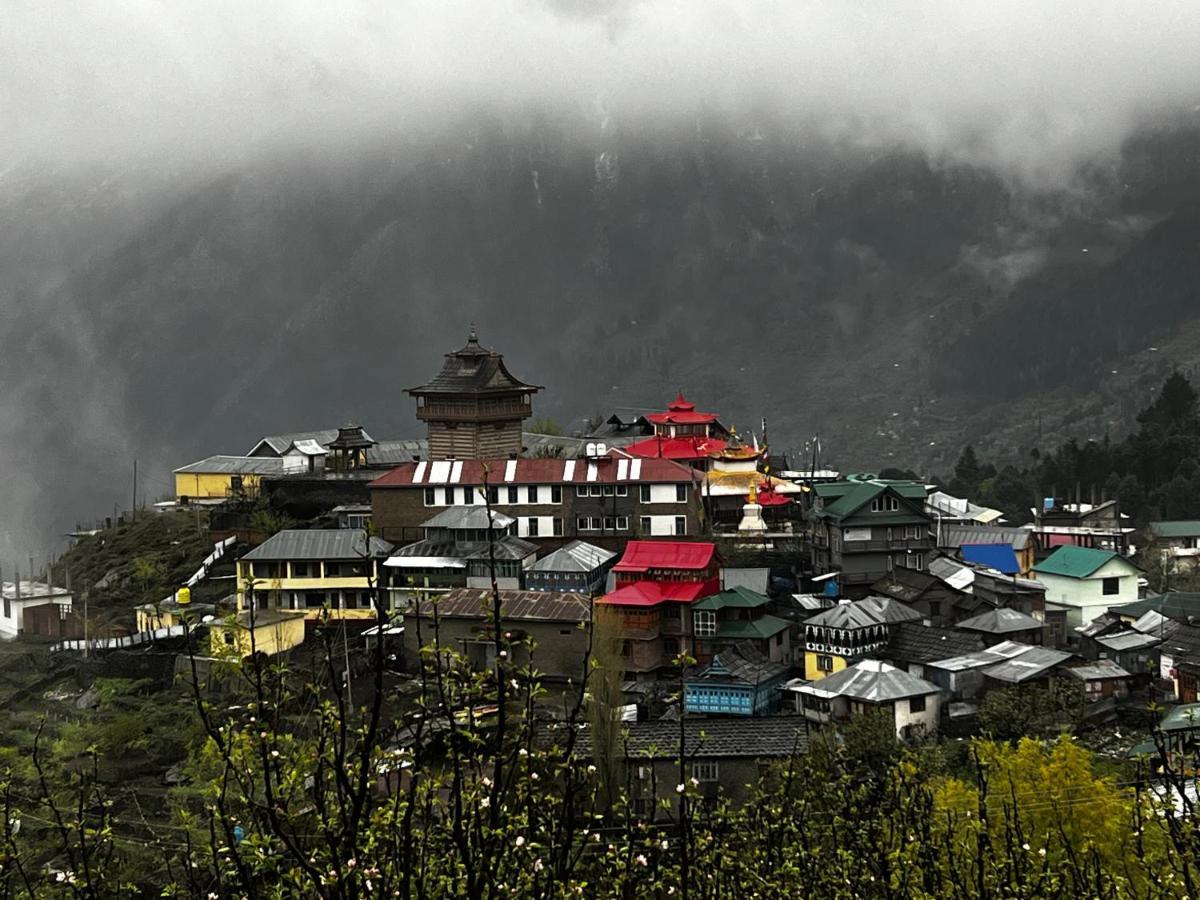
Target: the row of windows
(534, 493)
(602, 523)
(885, 504)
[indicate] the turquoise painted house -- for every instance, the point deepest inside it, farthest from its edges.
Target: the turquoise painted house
(739, 681)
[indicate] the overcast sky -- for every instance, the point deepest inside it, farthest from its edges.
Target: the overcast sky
(1029, 86)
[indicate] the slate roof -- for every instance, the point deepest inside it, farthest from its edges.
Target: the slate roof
(508, 548)
(864, 613)
(995, 556)
(732, 598)
(319, 544)
(1177, 605)
(577, 556)
(234, 465)
(468, 517)
(908, 585)
(1076, 562)
(871, 681)
(758, 737)
(742, 664)
(473, 369)
(1176, 529)
(957, 535)
(476, 603)
(912, 642)
(1000, 621)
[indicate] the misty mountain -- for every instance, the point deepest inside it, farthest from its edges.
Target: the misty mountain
(896, 305)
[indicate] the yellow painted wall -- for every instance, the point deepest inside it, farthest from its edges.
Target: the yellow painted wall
(274, 637)
(197, 485)
(269, 585)
(812, 673)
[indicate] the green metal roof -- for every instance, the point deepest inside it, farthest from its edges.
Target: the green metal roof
(1179, 528)
(764, 627)
(1076, 562)
(732, 598)
(1178, 605)
(844, 498)
(1184, 717)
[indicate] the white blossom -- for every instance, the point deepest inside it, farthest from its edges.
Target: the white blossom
(641, 859)
(520, 840)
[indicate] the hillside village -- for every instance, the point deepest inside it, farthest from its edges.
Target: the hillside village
(746, 603)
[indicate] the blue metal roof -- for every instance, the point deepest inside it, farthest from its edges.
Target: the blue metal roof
(995, 556)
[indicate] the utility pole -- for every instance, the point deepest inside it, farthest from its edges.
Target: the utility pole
(133, 509)
(86, 590)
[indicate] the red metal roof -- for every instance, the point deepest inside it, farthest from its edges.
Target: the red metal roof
(615, 468)
(641, 556)
(694, 447)
(681, 412)
(768, 496)
(652, 593)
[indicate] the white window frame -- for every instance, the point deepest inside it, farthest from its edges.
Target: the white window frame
(622, 490)
(704, 623)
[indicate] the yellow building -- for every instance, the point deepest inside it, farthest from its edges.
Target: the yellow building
(850, 631)
(313, 570)
(172, 611)
(270, 631)
(220, 477)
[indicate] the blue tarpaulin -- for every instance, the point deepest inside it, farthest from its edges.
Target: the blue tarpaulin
(995, 556)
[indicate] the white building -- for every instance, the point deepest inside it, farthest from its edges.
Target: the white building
(19, 596)
(871, 685)
(1087, 581)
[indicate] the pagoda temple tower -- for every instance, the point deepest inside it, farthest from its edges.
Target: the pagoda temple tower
(474, 408)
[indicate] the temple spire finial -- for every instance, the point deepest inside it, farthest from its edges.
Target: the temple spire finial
(472, 337)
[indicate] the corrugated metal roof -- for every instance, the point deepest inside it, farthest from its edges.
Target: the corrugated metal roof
(652, 593)
(741, 664)
(1099, 670)
(640, 556)
(1176, 529)
(1000, 621)
(507, 548)
(871, 681)
(1000, 557)
(476, 603)
(233, 465)
(319, 544)
(1070, 561)
(614, 468)
(277, 444)
(1129, 640)
(864, 613)
(990, 656)
(468, 517)
(577, 556)
(757, 579)
(1033, 663)
(957, 535)
(912, 642)
(733, 598)
(392, 453)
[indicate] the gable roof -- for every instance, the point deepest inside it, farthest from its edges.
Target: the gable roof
(1000, 621)
(741, 664)
(1176, 528)
(233, 465)
(864, 613)
(1098, 670)
(912, 642)
(957, 535)
(318, 544)
(995, 556)
(473, 369)
(577, 556)
(940, 503)
(614, 468)
(652, 593)
(841, 499)
(1033, 663)
(1178, 605)
(468, 517)
(476, 603)
(733, 598)
(1070, 561)
(278, 444)
(690, 447)
(641, 556)
(871, 681)
(910, 585)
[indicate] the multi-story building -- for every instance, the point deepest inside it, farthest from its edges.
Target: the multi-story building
(849, 632)
(682, 434)
(604, 500)
(649, 612)
(579, 566)
(865, 527)
(460, 550)
(313, 570)
(474, 407)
